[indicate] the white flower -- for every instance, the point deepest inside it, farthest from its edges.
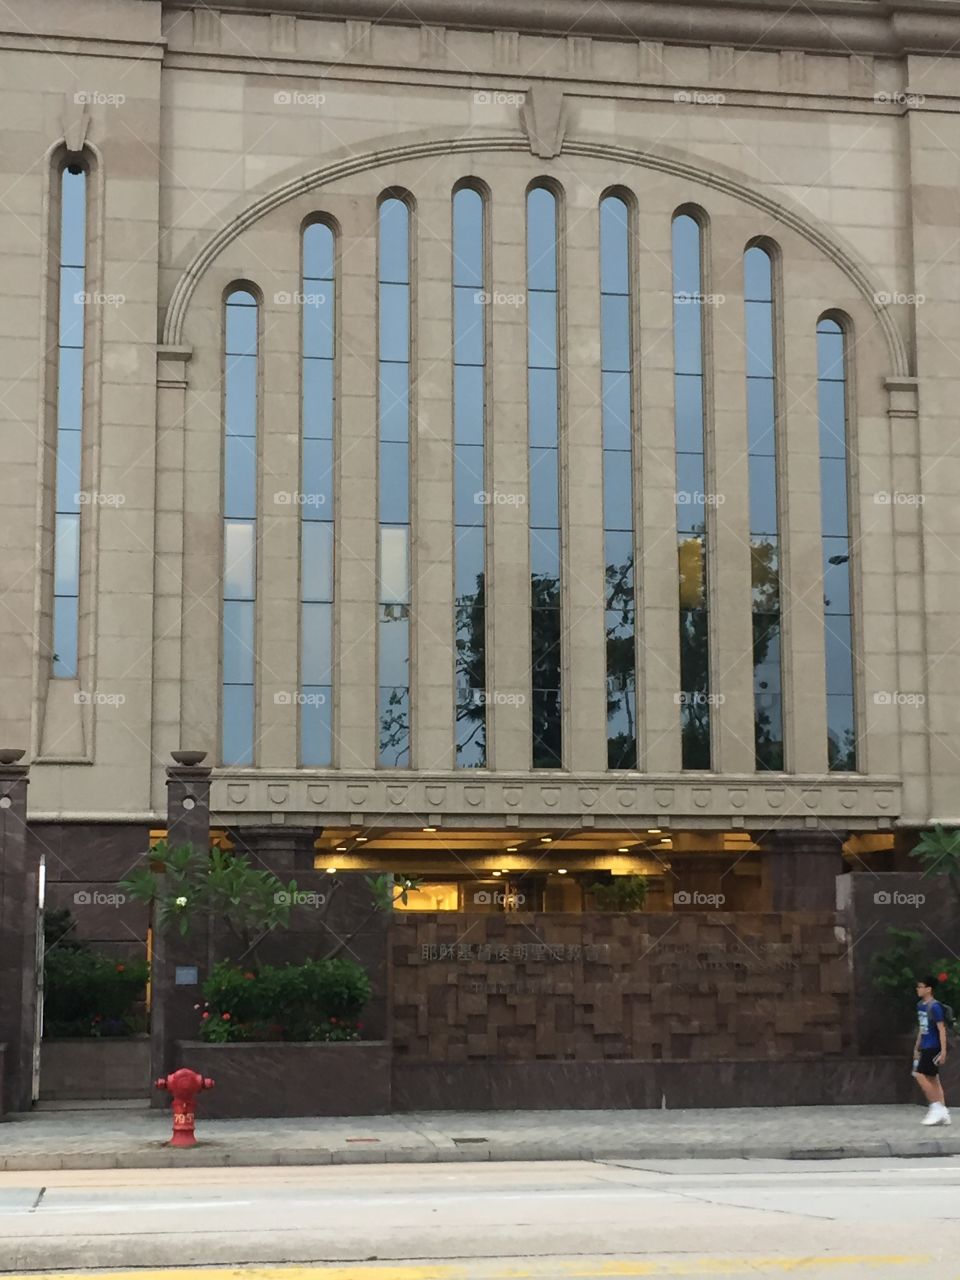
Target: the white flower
(181, 902)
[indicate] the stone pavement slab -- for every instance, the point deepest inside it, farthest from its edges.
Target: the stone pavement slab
(99, 1139)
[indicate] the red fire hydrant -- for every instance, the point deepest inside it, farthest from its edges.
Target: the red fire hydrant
(184, 1085)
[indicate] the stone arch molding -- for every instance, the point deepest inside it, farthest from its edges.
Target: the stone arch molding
(658, 159)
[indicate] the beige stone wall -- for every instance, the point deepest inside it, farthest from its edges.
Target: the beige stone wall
(235, 127)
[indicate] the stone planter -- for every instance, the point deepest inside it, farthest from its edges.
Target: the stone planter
(282, 1079)
(94, 1069)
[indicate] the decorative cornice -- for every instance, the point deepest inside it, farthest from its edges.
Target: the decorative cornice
(884, 27)
(659, 160)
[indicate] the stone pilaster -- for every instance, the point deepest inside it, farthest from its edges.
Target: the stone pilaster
(18, 938)
(800, 869)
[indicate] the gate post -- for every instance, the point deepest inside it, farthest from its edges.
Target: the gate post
(18, 937)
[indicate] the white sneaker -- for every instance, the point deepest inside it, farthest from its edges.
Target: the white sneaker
(945, 1117)
(933, 1114)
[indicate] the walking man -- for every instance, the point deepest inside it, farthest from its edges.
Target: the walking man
(930, 1051)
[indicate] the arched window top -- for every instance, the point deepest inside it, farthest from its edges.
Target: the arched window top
(758, 274)
(542, 238)
(242, 321)
(468, 239)
(394, 217)
(832, 333)
(319, 248)
(614, 244)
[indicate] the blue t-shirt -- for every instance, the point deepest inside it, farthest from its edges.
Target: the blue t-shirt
(929, 1015)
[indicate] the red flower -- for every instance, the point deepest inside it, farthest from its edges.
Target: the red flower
(359, 1026)
(943, 977)
(226, 1017)
(333, 1021)
(205, 1016)
(98, 1017)
(250, 976)
(120, 968)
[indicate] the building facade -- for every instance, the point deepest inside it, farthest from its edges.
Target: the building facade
(512, 446)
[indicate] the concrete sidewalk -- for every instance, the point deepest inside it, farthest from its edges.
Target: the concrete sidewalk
(134, 1139)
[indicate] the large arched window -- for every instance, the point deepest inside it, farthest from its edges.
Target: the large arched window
(691, 507)
(469, 417)
(832, 399)
(317, 496)
(395, 305)
(618, 505)
(758, 271)
(543, 375)
(241, 414)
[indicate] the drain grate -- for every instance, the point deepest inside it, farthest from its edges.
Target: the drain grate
(462, 1141)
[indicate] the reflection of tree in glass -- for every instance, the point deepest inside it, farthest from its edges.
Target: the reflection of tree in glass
(545, 652)
(471, 641)
(842, 756)
(694, 651)
(621, 664)
(395, 725)
(764, 556)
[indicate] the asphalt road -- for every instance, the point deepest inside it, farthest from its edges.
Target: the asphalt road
(860, 1219)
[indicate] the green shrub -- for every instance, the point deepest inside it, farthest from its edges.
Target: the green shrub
(896, 970)
(621, 893)
(318, 1000)
(87, 993)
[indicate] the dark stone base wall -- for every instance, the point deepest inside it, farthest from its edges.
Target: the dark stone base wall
(95, 1069)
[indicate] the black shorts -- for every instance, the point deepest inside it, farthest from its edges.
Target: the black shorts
(926, 1065)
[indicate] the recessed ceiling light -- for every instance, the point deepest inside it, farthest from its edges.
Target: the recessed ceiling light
(498, 873)
(561, 871)
(546, 839)
(362, 839)
(429, 828)
(341, 848)
(511, 848)
(505, 871)
(653, 831)
(331, 871)
(623, 849)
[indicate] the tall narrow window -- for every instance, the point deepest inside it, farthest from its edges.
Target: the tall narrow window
(70, 356)
(394, 517)
(469, 404)
(240, 526)
(835, 529)
(618, 520)
(317, 498)
(691, 498)
(764, 526)
(544, 468)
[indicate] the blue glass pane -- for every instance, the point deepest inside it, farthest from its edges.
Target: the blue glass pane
(240, 477)
(759, 353)
(833, 497)
(543, 407)
(67, 556)
(691, 564)
(394, 642)
(72, 306)
(394, 242)
(765, 574)
(319, 318)
(761, 416)
(541, 239)
(318, 252)
(238, 641)
(394, 737)
(841, 743)
(469, 562)
(317, 398)
(241, 328)
(757, 275)
(237, 724)
(69, 481)
(763, 495)
(766, 653)
(394, 564)
(70, 389)
(831, 398)
(73, 218)
(316, 725)
(471, 730)
(686, 255)
(547, 718)
(239, 560)
(614, 243)
(394, 322)
(615, 327)
(469, 484)
(542, 316)
(690, 497)
(544, 490)
(830, 344)
(836, 575)
(545, 555)
(318, 477)
(468, 238)
(65, 636)
(394, 483)
(317, 562)
(617, 490)
(469, 315)
(316, 644)
(689, 410)
(394, 402)
(688, 337)
(616, 411)
(468, 398)
(619, 573)
(241, 396)
(837, 631)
